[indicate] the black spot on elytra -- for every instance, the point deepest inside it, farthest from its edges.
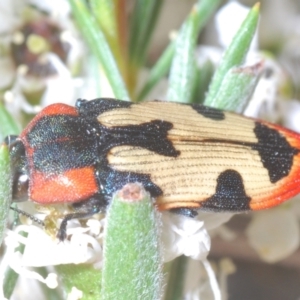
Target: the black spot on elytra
(275, 151)
(209, 112)
(112, 180)
(230, 194)
(93, 108)
(151, 135)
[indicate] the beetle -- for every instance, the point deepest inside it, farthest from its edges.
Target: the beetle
(187, 156)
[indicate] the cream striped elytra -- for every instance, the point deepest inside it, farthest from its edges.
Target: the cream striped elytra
(188, 157)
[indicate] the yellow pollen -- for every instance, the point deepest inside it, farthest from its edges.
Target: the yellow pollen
(37, 44)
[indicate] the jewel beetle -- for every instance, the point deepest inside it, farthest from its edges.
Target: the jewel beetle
(188, 157)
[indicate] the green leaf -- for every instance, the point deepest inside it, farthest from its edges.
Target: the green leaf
(5, 188)
(236, 52)
(83, 277)
(237, 88)
(98, 43)
(160, 69)
(105, 14)
(132, 264)
(112, 19)
(204, 11)
(8, 126)
(176, 278)
(7, 123)
(202, 80)
(143, 21)
(183, 68)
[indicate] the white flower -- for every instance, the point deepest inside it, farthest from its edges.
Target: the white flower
(184, 235)
(39, 54)
(290, 114)
(75, 294)
(274, 234)
(187, 236)
(179, 235)
(265, 102)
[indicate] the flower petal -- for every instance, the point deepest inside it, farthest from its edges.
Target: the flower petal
(274, 234)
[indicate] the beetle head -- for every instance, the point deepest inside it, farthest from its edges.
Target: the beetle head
(19, 169)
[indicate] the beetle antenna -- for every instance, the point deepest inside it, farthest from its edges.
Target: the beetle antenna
(31, 217)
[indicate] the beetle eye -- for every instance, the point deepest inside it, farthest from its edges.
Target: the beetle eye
(20, 187)
(18, 168)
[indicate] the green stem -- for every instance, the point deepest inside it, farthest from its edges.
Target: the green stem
(132, 265)
(176, 277)
(97, 42)
(205, 10)
(235, 53)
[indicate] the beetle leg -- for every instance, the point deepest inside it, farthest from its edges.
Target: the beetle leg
(84, 209)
